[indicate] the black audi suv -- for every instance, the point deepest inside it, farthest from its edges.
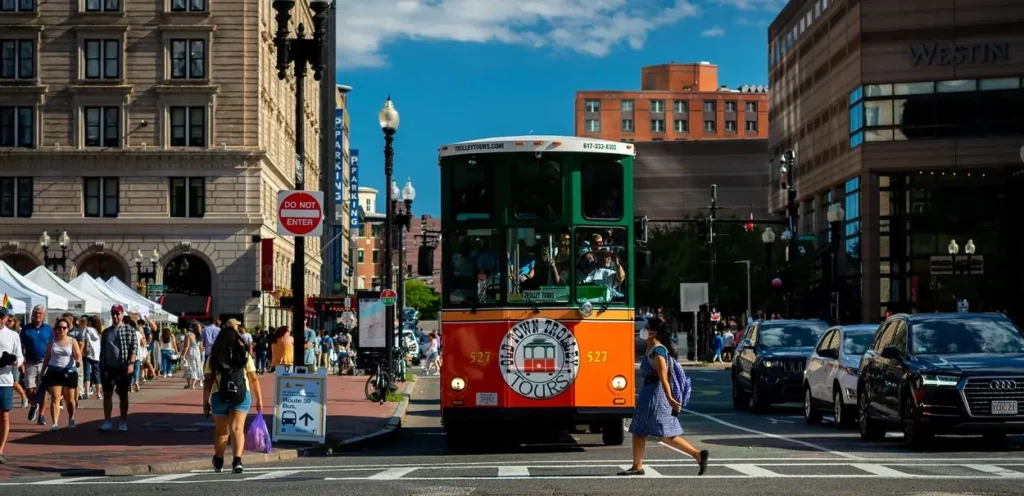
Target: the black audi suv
(770, 361)
(929, 374)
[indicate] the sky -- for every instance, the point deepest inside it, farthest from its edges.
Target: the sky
(466, 69)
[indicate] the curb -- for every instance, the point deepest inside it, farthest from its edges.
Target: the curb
(393, 426)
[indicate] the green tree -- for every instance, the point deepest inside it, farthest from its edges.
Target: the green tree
(422, 297)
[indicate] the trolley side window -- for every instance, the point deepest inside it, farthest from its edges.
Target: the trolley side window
(474, 267)
(602, 260)
(601, 188)
(473, 190)
(536, 189)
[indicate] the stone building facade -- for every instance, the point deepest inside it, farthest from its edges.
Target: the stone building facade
(142, 126)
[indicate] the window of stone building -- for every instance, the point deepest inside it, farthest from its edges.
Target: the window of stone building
(593, 106)
(17, 127)
(681, 126)
(627, 125)
(102, 196)
(730, 126)
(657, 125)
(16, 197)
(752, 126)
(188, 5)
(188, 197)
(680, 107)
(593, 125)
(17, 5)
(102, 126)
(103, 59)
(709, 106)
(188, 126)
(730, 106)
(750, 107)
(188, 59)
(657, 106)
(17, 59)
(627, 106)
(709, 126)
(102, 5)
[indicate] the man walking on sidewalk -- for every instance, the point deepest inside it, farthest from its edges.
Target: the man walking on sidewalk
(209, 335)
(35, 337)
(10, 359)
(119, 348)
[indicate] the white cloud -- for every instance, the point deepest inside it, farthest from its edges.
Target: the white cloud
(591, 27)
(774, 6)
(713, 32)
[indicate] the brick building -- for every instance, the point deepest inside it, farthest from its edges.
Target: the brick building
(369, 243)
(413, 241)
(159, 125)
(675, 102)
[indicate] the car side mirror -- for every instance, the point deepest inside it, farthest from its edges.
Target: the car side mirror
(892, 353)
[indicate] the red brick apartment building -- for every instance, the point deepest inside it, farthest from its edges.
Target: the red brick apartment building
(675, 102)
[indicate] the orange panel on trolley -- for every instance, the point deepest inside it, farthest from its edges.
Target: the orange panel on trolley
(606, 351)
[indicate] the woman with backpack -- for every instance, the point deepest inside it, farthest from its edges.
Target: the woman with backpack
(656, 412)
(230, 387)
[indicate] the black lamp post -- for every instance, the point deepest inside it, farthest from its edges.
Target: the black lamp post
(402, 206)
(954, 250)
(55, 261)
(768, 239)
(146, 275)
(302, 51)
(835, 217)
(389, 119)
(787, 171)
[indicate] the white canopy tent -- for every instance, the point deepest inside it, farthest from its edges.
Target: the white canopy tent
(130, 304)
(18, 307)
(78, 301)
(156, 310)
(108, 298)
(37, 295)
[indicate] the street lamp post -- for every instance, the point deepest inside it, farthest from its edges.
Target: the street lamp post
(146, 275)
(788, 170)
(389, 120)
(55, 261)
(835, 216)
(402, 206)
(302, 51)
(954, 250)
(768, 239)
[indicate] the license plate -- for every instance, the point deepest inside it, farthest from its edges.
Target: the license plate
(1004, 408)
(491, 399)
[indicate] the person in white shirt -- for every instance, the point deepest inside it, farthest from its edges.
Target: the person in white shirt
(11, 358)
(91, 357)
(730, 346)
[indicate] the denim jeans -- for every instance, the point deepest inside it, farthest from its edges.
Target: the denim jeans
(166, 362)
(261, 361)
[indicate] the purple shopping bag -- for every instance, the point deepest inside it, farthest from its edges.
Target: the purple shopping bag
(257, 438)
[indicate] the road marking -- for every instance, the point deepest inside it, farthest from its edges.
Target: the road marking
(63, 480)
(879, 470)
(774, 436)
(648, 471)
(279, 474)
(512, 471)
(752, 470)
(992, 469)
(162, 478)
(393, 473)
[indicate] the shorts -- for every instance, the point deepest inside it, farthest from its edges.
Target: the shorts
(92, 371)
(6, 398)
(115, 380)
(61, 378)
(33, 374)
(221, 409)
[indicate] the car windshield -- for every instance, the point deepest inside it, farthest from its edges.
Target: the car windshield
(856, 343)
(794, 335)
(962, 336)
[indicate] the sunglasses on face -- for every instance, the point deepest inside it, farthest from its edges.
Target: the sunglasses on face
(62, 328)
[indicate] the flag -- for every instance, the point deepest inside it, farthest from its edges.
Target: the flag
(7, 305)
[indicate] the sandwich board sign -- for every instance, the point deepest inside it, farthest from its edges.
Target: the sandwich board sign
(300, 406)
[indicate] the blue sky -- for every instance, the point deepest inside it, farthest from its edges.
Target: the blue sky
(466, 69)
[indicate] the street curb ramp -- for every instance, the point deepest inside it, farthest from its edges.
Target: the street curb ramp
(391, 429)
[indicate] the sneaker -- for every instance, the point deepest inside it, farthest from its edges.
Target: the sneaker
(54, 428)
(32, 412)
(106, 426)
(236, 466)
(72, 424)
(218, 464)
(2, 460)
(42, 420)
(24, 402)
(123, 427)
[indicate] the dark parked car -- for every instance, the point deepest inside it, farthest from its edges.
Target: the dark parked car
(931, 374)
(770, 361)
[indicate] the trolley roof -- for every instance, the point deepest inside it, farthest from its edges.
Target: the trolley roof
(531, 143)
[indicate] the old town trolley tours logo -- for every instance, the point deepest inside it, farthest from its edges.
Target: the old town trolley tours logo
(539, 358)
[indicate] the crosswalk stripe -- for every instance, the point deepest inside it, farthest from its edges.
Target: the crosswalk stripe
(274, 475)
(513, 472)
(992, 469)
(879, 470)
(648, 471)
(393, 473)
(63, 480)
(161, 478)
(751, 470)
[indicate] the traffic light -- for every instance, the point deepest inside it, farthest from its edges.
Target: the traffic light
(702, 230)
(640, 229)
(425, 262)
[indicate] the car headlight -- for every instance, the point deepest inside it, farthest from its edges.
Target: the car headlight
(771, 363)
(939, 380)
(619, 383)
(458, 384)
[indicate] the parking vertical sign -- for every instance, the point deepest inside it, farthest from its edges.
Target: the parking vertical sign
(339, 197)
(353, 193)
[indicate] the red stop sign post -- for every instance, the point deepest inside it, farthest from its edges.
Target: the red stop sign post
(300, 213)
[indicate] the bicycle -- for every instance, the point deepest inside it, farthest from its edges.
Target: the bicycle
(381, 382)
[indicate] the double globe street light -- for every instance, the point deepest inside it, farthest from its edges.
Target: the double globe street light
(388, 119)
(401, 205)
(64, 241)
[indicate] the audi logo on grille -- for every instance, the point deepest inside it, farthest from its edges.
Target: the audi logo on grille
(1003, 385)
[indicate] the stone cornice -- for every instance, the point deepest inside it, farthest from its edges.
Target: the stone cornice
(63, 158)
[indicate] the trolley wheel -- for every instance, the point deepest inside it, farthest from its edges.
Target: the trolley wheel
(612, 433)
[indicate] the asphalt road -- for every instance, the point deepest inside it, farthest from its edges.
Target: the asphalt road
(775, 453)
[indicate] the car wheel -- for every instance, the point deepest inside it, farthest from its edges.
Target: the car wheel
(870, 429)
(740, 400)
(914, 434)
(612, 433)
(811, 414)
(760, 403)
(841, 412)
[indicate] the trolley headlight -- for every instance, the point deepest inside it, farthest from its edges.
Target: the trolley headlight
(458, 384)
(619, 383)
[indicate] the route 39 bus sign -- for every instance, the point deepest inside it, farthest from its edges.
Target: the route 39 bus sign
(539, 358)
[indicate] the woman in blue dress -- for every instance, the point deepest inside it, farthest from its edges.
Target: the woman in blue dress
(656, 410)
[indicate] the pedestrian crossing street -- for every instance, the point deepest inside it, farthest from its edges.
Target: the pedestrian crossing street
(738, 468)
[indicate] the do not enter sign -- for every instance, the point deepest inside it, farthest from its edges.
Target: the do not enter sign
(300, 213)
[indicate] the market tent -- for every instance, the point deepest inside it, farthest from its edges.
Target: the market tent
(36, 294)
(78, 301)
(89, 286)
(18, 307)
(131, 305)
(157, 312)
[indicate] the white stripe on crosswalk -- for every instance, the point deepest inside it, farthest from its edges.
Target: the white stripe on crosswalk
(994, 470)
(513, 471)
(161, 478)
(751, 470)
(274, 475)
(648, 471)
(393, 473)
(63, 480)
(879, 470)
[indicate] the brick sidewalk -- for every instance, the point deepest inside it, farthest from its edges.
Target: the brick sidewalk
(165, 425)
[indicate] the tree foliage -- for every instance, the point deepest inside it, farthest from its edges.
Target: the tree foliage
(422, 297)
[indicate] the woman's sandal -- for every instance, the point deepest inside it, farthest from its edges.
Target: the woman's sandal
(703, 461)
(632, 471)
